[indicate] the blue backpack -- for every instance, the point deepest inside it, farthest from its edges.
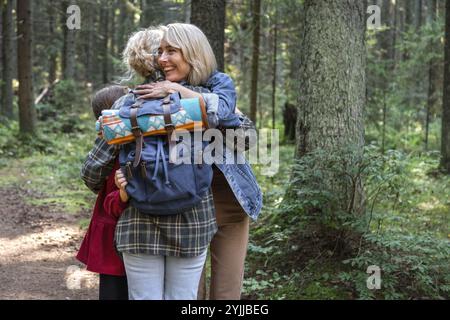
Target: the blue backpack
(157, 186)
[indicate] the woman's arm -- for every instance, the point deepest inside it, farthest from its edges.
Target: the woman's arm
(219, 83)
(222, 85)
(163, 88)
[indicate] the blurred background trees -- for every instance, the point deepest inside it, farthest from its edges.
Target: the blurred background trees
(363, 116)
(258, 43)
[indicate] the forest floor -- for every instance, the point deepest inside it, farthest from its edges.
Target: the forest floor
(38, 244)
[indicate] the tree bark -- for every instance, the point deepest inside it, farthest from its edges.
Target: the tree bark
(255, 59)
(394, 27)
(113, 49)
(52, 34)
(89, 42)
(7, 59)
(212, 25)
(1, 51)
(290, 121)
(187, 11)
(153, 13)
(69, 45)
(330, 109)
(105, 14)
(432, 73)
(418, 15)
(332, 85)
(445, 136)
(274, 69)
(27, 113)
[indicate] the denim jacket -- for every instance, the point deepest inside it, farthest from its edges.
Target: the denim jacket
(240, 177)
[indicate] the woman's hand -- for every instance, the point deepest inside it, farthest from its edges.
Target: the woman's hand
(121, 183)
(157, 89)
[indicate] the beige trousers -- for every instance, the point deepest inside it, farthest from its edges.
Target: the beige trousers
(228, 247)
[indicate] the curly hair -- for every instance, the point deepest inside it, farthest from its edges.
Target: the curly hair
(140, 53)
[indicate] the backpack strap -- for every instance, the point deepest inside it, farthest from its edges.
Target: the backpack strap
(169, 126)
(137, 132)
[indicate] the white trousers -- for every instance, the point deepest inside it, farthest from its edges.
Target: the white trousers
(163, 278)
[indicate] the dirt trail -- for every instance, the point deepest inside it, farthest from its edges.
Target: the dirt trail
(37, 249)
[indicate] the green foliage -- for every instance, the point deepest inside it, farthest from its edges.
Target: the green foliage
(67, 109)
(14, 144)
(398, 89)
(404, 231)
(49, 163)
(412, 266)
(325, 199)
(68, 96)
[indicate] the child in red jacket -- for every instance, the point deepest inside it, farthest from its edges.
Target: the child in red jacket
(97, 250)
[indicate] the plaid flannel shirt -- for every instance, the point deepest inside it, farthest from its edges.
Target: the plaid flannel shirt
(187, 234)
(98, 164)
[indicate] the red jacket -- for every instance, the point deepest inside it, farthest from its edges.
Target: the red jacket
(97, 250)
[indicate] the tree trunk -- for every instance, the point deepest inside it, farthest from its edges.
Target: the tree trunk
(255, 58)
(2, 4)
(432, 73)
(394, 24)
(274, 70)
(445, 137)
(52, 34)
(290, 121)
(89, 44)
(104, 49)
(409, 15)
(383, 135)
(27, 113)
(418, 15)
(187, 11)
(153, 12)
(121, 34)
(332, 86)
(212, 25)
(1, 51)
(441, 8)
(332, 98)
(69, 44)
(113, 49)
(7, 59)
(398, 30)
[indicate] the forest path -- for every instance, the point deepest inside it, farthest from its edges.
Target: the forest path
(38, 244)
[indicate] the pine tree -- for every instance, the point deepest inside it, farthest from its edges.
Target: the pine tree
(27, 113)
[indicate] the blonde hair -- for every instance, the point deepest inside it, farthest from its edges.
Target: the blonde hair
(195, 48)
(140, 53)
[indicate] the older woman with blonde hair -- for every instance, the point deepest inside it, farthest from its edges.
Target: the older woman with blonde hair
(186, 58)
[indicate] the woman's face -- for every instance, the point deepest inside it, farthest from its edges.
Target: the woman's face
(172, 62)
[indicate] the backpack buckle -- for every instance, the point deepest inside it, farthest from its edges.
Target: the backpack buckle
(169, 126)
